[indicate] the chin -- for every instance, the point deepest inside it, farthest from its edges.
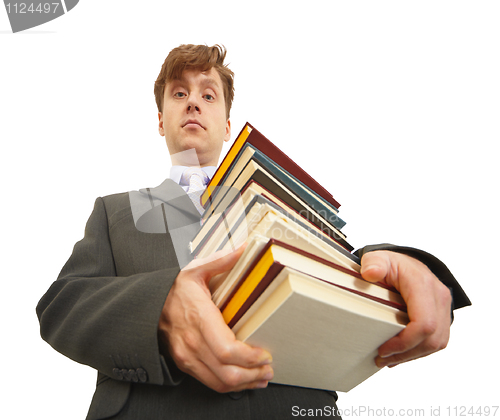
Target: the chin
(194, 154)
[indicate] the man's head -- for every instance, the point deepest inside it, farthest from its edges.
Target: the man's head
(195, 57)
(194, 92)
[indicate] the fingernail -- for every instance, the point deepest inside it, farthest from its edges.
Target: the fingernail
(266, 359)
(380, 362)
(268, 376)
(369, 267)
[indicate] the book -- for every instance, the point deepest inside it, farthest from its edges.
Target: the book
(225, 221)
(296, 289)
(273, 257)
(247, 153)
(320, 336)
(221, 286)
(254, 171)
(250, 135)
(262, 217)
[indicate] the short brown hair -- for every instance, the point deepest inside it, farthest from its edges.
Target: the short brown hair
(195, 57)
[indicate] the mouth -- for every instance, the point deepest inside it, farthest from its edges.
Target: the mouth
(192, 123)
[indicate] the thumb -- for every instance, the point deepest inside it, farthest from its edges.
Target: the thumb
(375, 266)
(217, 263)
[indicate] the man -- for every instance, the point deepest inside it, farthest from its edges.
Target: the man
(162, 350)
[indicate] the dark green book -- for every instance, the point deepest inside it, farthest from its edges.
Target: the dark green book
(318, 205)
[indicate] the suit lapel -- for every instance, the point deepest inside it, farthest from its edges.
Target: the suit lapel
(167, 208)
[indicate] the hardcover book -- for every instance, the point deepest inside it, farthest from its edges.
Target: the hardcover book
(320, 336)
(252, 136)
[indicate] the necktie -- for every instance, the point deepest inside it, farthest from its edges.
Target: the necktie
(197, 180)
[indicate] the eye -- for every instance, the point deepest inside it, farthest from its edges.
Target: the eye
(179, 95)
(208, 97)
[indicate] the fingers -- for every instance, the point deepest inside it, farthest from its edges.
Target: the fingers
(198, 339)
(210, 353)
(232, 378)
(238, 367)
(223, 344)
(217, 263)
(376, 266)
(417, 340)
(233, 366)
(428, 302)
(428, 346)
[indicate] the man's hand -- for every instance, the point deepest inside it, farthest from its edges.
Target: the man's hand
(193, 331)
(427, 299)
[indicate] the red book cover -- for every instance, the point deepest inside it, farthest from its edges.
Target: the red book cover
(260, 142)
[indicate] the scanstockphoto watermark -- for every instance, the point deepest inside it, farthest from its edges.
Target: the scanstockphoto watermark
(360, 411)
(367, 411)
(26, 14)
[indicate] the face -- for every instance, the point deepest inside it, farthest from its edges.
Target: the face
(194, 116)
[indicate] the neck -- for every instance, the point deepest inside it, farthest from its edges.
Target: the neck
(191, 158)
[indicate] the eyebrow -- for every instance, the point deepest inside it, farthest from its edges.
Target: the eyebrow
(205, 82)
(211, 81)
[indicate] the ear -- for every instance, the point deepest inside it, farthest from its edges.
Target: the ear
(160, 124)
(227, 137)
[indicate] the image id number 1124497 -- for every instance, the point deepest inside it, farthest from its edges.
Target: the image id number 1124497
(463, 411)
(18, 8)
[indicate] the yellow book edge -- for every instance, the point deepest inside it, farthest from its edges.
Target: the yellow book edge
(248, 286)
(233, 152)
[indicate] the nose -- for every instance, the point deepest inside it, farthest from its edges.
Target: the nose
(192, 104)
(193, 107)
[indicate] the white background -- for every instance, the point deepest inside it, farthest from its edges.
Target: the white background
(392, 105)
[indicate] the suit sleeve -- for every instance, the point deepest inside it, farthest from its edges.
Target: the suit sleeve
(439, 269)
(106, 321)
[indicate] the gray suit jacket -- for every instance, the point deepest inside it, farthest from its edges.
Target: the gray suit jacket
(104, 308)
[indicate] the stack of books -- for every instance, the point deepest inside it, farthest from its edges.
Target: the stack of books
(296, 290)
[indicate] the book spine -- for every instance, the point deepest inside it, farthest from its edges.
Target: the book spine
(274, 152)
(305, 193)
(270, 275)
(262, 179)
